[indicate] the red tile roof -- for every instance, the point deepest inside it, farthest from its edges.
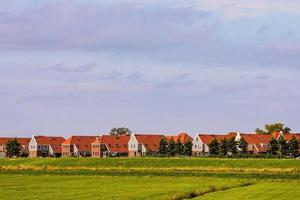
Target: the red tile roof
(289, 136)
(83, 143)
(257, 138)
(54, 141)
(207, 138)
(184, 137)
(150, 142)
(22, 141)
(115, 143)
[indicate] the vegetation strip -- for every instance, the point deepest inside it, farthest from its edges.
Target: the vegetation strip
(211, 189)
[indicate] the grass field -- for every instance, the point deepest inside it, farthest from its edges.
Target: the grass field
(149, 178)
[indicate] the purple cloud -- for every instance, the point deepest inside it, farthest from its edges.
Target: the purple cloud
(92, 26)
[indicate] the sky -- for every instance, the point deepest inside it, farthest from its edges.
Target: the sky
(81, 67)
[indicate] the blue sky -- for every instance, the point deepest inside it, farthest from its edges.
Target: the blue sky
(82, 67)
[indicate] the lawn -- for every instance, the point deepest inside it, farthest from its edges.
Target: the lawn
(186, 164)
(105, 187)
(259, 191)
(149, 178)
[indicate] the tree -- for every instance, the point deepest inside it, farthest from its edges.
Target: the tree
(179, 147)
(260, 131)
(232, 146)
(294, 146)
(214, 147)
(172, 147)
(243, 146)
(13, 148)
(286, 130)
(120, 131)
(273, 146)
(187, 149)
(224, 146)
(163, 147)
(275, 127)
(282, 146)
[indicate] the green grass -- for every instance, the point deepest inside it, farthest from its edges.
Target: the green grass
(149, 178)
(158, 163)
(260, 191)
(105, 187)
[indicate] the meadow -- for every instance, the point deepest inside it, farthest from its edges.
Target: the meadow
(149, 178)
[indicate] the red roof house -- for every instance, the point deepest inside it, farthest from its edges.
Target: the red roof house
(44, 146)
(142, 144)
(110, 145)
(23, 142)
(78, 146)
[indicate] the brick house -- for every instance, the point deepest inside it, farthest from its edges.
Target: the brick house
(23, 142)
(143, 144)
(110, 145)
(45, 146)
(78, 146)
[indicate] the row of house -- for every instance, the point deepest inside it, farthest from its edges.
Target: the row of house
(257, 143)
(130, 145)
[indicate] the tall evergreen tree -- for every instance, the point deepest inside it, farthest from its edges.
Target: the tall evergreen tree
(232, 146)
(187, 149)
(13, 148)
(179, 147)
(273, 146)
(294, 147)
(243, 146)
(214, 147)
(224, 147)
(282, 146)
(172, 147)
(163, 147)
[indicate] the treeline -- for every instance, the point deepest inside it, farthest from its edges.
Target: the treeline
(173, 148)
(284, 148)
(231, 147)
(228, 147)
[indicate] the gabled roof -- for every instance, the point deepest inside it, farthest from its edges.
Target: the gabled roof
(54, 141)
(207, 138)
(184, 137)
(22, 141)
(83, 143)
(289, 136)
(256, 138)
(150, 142)
(114, 143)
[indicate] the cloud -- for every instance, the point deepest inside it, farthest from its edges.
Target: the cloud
(180, 80)
(262, 29)
(134, 76)
(94, 26)
(233, 9)
(62, 68)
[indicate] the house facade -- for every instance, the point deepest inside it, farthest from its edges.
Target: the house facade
(110, 145)
(144, 144)
(78, 146)
(23, 142)
(201, 142)
(45, 146)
